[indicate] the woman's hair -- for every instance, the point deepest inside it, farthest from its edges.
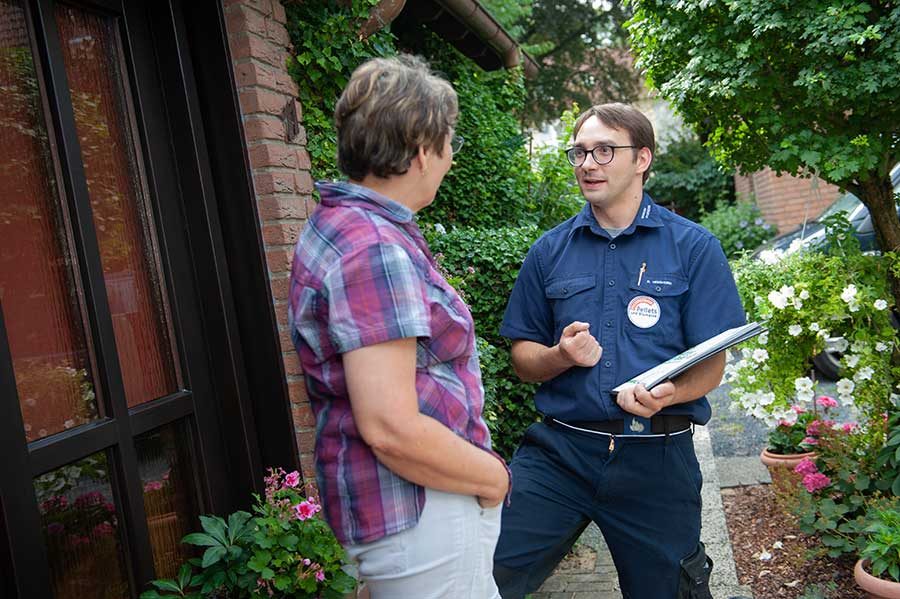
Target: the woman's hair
(390, 108)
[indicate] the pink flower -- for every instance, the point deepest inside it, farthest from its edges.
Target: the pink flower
(306, 509)
(815, 481)
(826, 402)
(306, 561)
(292, 479)
(809, 441)
(153, 485)
(320, 576)
(849, 427)
(812, 429)
(784, 423)
(799, 409)
(806, 466)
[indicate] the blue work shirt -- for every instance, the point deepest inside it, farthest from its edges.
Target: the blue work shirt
(685, 294)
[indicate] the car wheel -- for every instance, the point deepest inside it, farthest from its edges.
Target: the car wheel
(828, 364)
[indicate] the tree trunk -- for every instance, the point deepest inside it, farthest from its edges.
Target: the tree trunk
(878, 196)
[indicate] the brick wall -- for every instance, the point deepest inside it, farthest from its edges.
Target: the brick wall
(784, 200)
(260, 47)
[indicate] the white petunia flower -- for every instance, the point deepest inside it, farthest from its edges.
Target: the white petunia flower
(804, 294)
(757, 300)
(851, 360)
(845, 386)
(766, 399)
(797, 303)
(814, 327)
(822, 333)
(794, 330)
(770, 256)
(840, 344)
(880, 304)
(440, 228)
(803, 384)
(849, 293)
(853, 306)
(787, 291)
(760, 355)
(864, 374)
(881, 347)
(777, 299)
(764, 338)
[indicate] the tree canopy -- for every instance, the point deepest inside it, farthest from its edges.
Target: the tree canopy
(806, 86)
(581, 47)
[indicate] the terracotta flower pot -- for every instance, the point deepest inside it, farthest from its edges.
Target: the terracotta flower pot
(789, 461)
(877, 588)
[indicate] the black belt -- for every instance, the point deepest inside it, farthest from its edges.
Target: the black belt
(659, 425)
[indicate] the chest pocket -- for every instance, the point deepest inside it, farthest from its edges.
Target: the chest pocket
(667, 292)
(572, 298)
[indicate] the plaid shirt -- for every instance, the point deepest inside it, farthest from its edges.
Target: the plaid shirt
(362, 275)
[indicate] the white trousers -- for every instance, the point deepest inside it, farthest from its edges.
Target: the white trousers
(449, 554)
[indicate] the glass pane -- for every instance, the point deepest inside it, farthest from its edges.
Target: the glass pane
(170, 494)
(39, 293)
(80, 528)
(122, 218)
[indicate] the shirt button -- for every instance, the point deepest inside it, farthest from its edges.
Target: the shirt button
(608, 323)
(612, 283)
(612, 246)
(607, 363)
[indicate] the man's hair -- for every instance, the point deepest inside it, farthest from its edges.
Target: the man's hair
(627, 118)
(390, 108)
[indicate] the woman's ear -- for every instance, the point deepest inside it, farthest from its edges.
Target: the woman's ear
(422, 158)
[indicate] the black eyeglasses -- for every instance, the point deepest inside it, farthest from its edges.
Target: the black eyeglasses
(456, 143)
(602, 154)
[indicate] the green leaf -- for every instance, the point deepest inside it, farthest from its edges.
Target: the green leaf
(184, 576)
(166, 585)
(212, 556)
(201, 539)
(895, 487)
(215, 526)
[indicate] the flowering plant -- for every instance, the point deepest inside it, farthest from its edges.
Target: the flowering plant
(805, 299)
(879, 540)
(799, 432)
(285, 550)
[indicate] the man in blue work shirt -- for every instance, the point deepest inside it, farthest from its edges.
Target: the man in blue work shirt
(608, 294)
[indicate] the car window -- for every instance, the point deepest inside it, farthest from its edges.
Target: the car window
(846, 203)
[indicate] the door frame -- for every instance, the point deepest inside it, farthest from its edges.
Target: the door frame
(228, 264)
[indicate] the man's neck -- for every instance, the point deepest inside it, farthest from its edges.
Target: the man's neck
(621, 213)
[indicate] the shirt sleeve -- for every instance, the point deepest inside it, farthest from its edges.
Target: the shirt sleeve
(375, 294)
(528, 314)
(713, 304)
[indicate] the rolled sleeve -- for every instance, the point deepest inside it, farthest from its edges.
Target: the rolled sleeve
(528, 314)
(375, 294)
(713, 304)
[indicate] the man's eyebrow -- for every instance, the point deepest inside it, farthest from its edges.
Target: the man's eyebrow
(602, 142)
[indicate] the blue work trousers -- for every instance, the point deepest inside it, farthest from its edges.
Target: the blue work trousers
(644, 496)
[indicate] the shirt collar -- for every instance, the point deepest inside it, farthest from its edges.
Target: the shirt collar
(343, 193)
(647, 216)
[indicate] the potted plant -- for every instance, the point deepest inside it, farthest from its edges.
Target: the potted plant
(878, 570)
(283, 550)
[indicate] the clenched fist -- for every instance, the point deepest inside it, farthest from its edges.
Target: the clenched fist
(578, 346)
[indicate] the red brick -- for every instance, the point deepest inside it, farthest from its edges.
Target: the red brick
(306, 441)
(246, 45)
(308, 467)
(278, 13)
(303, 161)
(279, 259)
(257, 100)
(292, 363)
(241, 17)
(259, 127)
(280, 288)
(269, 182)
(284, 336)
(279, 207)
(281, 233)
(273, 154)
(253, 73)
(302, 415)
(304, 182)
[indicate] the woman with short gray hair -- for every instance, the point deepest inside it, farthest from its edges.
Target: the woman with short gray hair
(407, 477)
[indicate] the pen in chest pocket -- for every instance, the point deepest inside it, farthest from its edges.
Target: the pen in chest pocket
(641, 272)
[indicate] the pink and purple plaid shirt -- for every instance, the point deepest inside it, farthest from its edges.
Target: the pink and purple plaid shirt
(362, 275)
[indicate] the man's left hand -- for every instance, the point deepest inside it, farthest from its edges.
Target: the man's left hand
(640, 402)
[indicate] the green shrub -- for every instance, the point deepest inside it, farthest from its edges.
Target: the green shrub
(740, 227)
(555, 195)
(483, 264)
(689, 180)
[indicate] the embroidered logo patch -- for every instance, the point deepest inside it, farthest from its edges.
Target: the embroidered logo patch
(636, 426)
(643, 311)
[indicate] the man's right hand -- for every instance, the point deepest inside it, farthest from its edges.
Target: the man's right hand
(578, 346)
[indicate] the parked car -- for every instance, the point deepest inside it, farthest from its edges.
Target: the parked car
(811, 235)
